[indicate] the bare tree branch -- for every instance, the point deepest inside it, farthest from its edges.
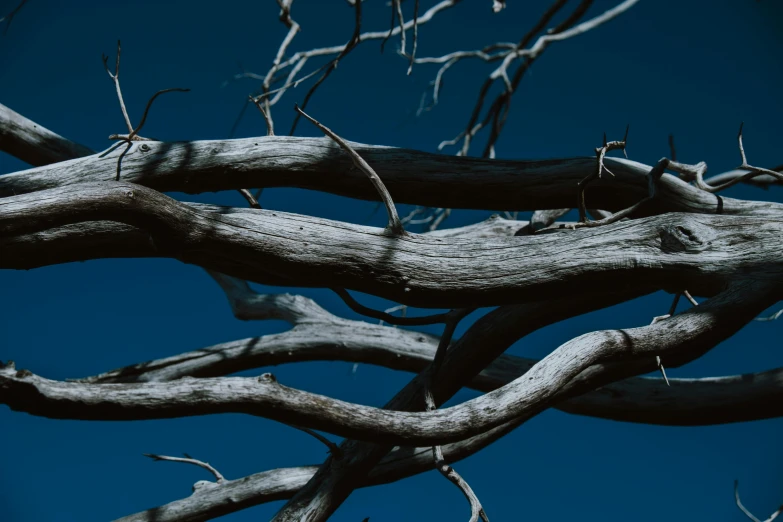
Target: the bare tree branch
(754, 172)
(34, 144)
(189, 460)
(277, 484)
(672, 251)
(10, 16)
(750, 515)
(394, 225)
(411, 177)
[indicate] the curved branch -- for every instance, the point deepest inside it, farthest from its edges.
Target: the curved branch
(284, 483)
(702, 253)
(699, 328)
(687, 402)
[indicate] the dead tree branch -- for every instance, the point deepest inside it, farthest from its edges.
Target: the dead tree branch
(33, 143)
(190, 460)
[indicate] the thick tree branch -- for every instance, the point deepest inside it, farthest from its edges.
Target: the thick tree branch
(411, 177)
(687, 402)
(702, 253)
(279, 484)
(34, 144)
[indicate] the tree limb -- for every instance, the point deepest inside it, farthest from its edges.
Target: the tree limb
(411, 177)
(702, 253)
(34, 144)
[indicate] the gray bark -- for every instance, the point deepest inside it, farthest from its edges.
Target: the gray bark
(411, 176)
(705, 254)
(686, 402)
(33, 143)
(672, 251)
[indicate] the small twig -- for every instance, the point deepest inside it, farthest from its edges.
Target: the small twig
(476, 509)
(672, 150)
(391, 26)
(189, 460)
(653, 177)
(10, 16)
(672, 309)
(401, 19)
(750, 515)
(394, 224)
(772, 317)
(440, 217)
(133, 133)
(355, 39)
(334, 449)
(690, 298)
(753, 171)
(122, 156)
(415, 35)
(270, 127)
(116, 79)
(453, 319)
(600, 153)
(498, 111)
(359, 308)
(403, 309)
(251, 200)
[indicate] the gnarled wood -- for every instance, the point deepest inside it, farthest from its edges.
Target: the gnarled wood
(673, 251)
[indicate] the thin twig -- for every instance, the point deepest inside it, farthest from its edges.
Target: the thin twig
(600, 153)
(393, 11)
(189, 460)
(270, 126)
(652, 178)
(133, 133)
(359, 308)
(753, 171)
(415, 35)
(394, 224)
(476, 509)
(499, 109)
(116, 79)
(750, 515)
(690, 298)
(334, 449)
(10, 16)
(355, 39)
(772, 317)
(251, 200)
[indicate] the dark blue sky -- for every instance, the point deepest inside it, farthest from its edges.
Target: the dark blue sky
(694, 69)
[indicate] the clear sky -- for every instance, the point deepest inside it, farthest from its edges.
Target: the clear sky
(694, 69)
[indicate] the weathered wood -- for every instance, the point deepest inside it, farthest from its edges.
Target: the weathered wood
(699, 328)
(407, 461)
(411, 176)
(33, 143)
(673, 251)
(686, 402)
